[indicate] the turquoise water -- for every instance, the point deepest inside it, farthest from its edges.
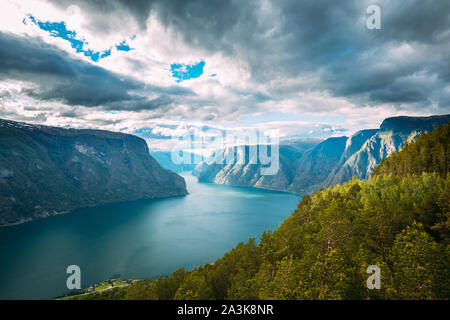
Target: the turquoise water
(143, 239)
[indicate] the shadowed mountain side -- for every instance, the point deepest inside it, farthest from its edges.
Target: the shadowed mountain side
(313, 168)
(46, 170)
(248, 174)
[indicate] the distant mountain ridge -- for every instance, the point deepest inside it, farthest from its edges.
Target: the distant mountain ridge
(250, 175)
(164, 158)
(333, 161)
(48, 170)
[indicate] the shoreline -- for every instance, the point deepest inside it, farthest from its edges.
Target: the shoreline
(23, 221)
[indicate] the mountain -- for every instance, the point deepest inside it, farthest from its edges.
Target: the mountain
(47, 170)
(352, 146)
(250, 174)
(307, 167)
(313, 168)
(409, 124)
(164, 158)
(391, 137)
(397, 221)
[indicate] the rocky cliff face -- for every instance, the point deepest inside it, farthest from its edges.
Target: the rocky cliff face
(307, 167)
(391, 137)
(45, 171)
(250, 174)
(315, 165)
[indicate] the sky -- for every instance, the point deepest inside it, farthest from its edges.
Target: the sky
(310, 69)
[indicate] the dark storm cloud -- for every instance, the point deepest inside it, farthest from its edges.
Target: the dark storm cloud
(424, 21)
(70, 114)
(57, 76)
(285, 39)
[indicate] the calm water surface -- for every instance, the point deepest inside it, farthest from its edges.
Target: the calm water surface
(143, 239)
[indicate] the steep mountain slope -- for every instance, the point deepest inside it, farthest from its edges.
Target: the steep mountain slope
(333, 161)
(313, 168)
(250, 174)
(353, 145)
(46, 171)
(391, 137)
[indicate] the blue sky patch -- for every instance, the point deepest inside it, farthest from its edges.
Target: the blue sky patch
(186, 71)
(59, 30)
(123, 46)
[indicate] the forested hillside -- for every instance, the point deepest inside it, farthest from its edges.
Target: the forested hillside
(430, 153)
(398, 220)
